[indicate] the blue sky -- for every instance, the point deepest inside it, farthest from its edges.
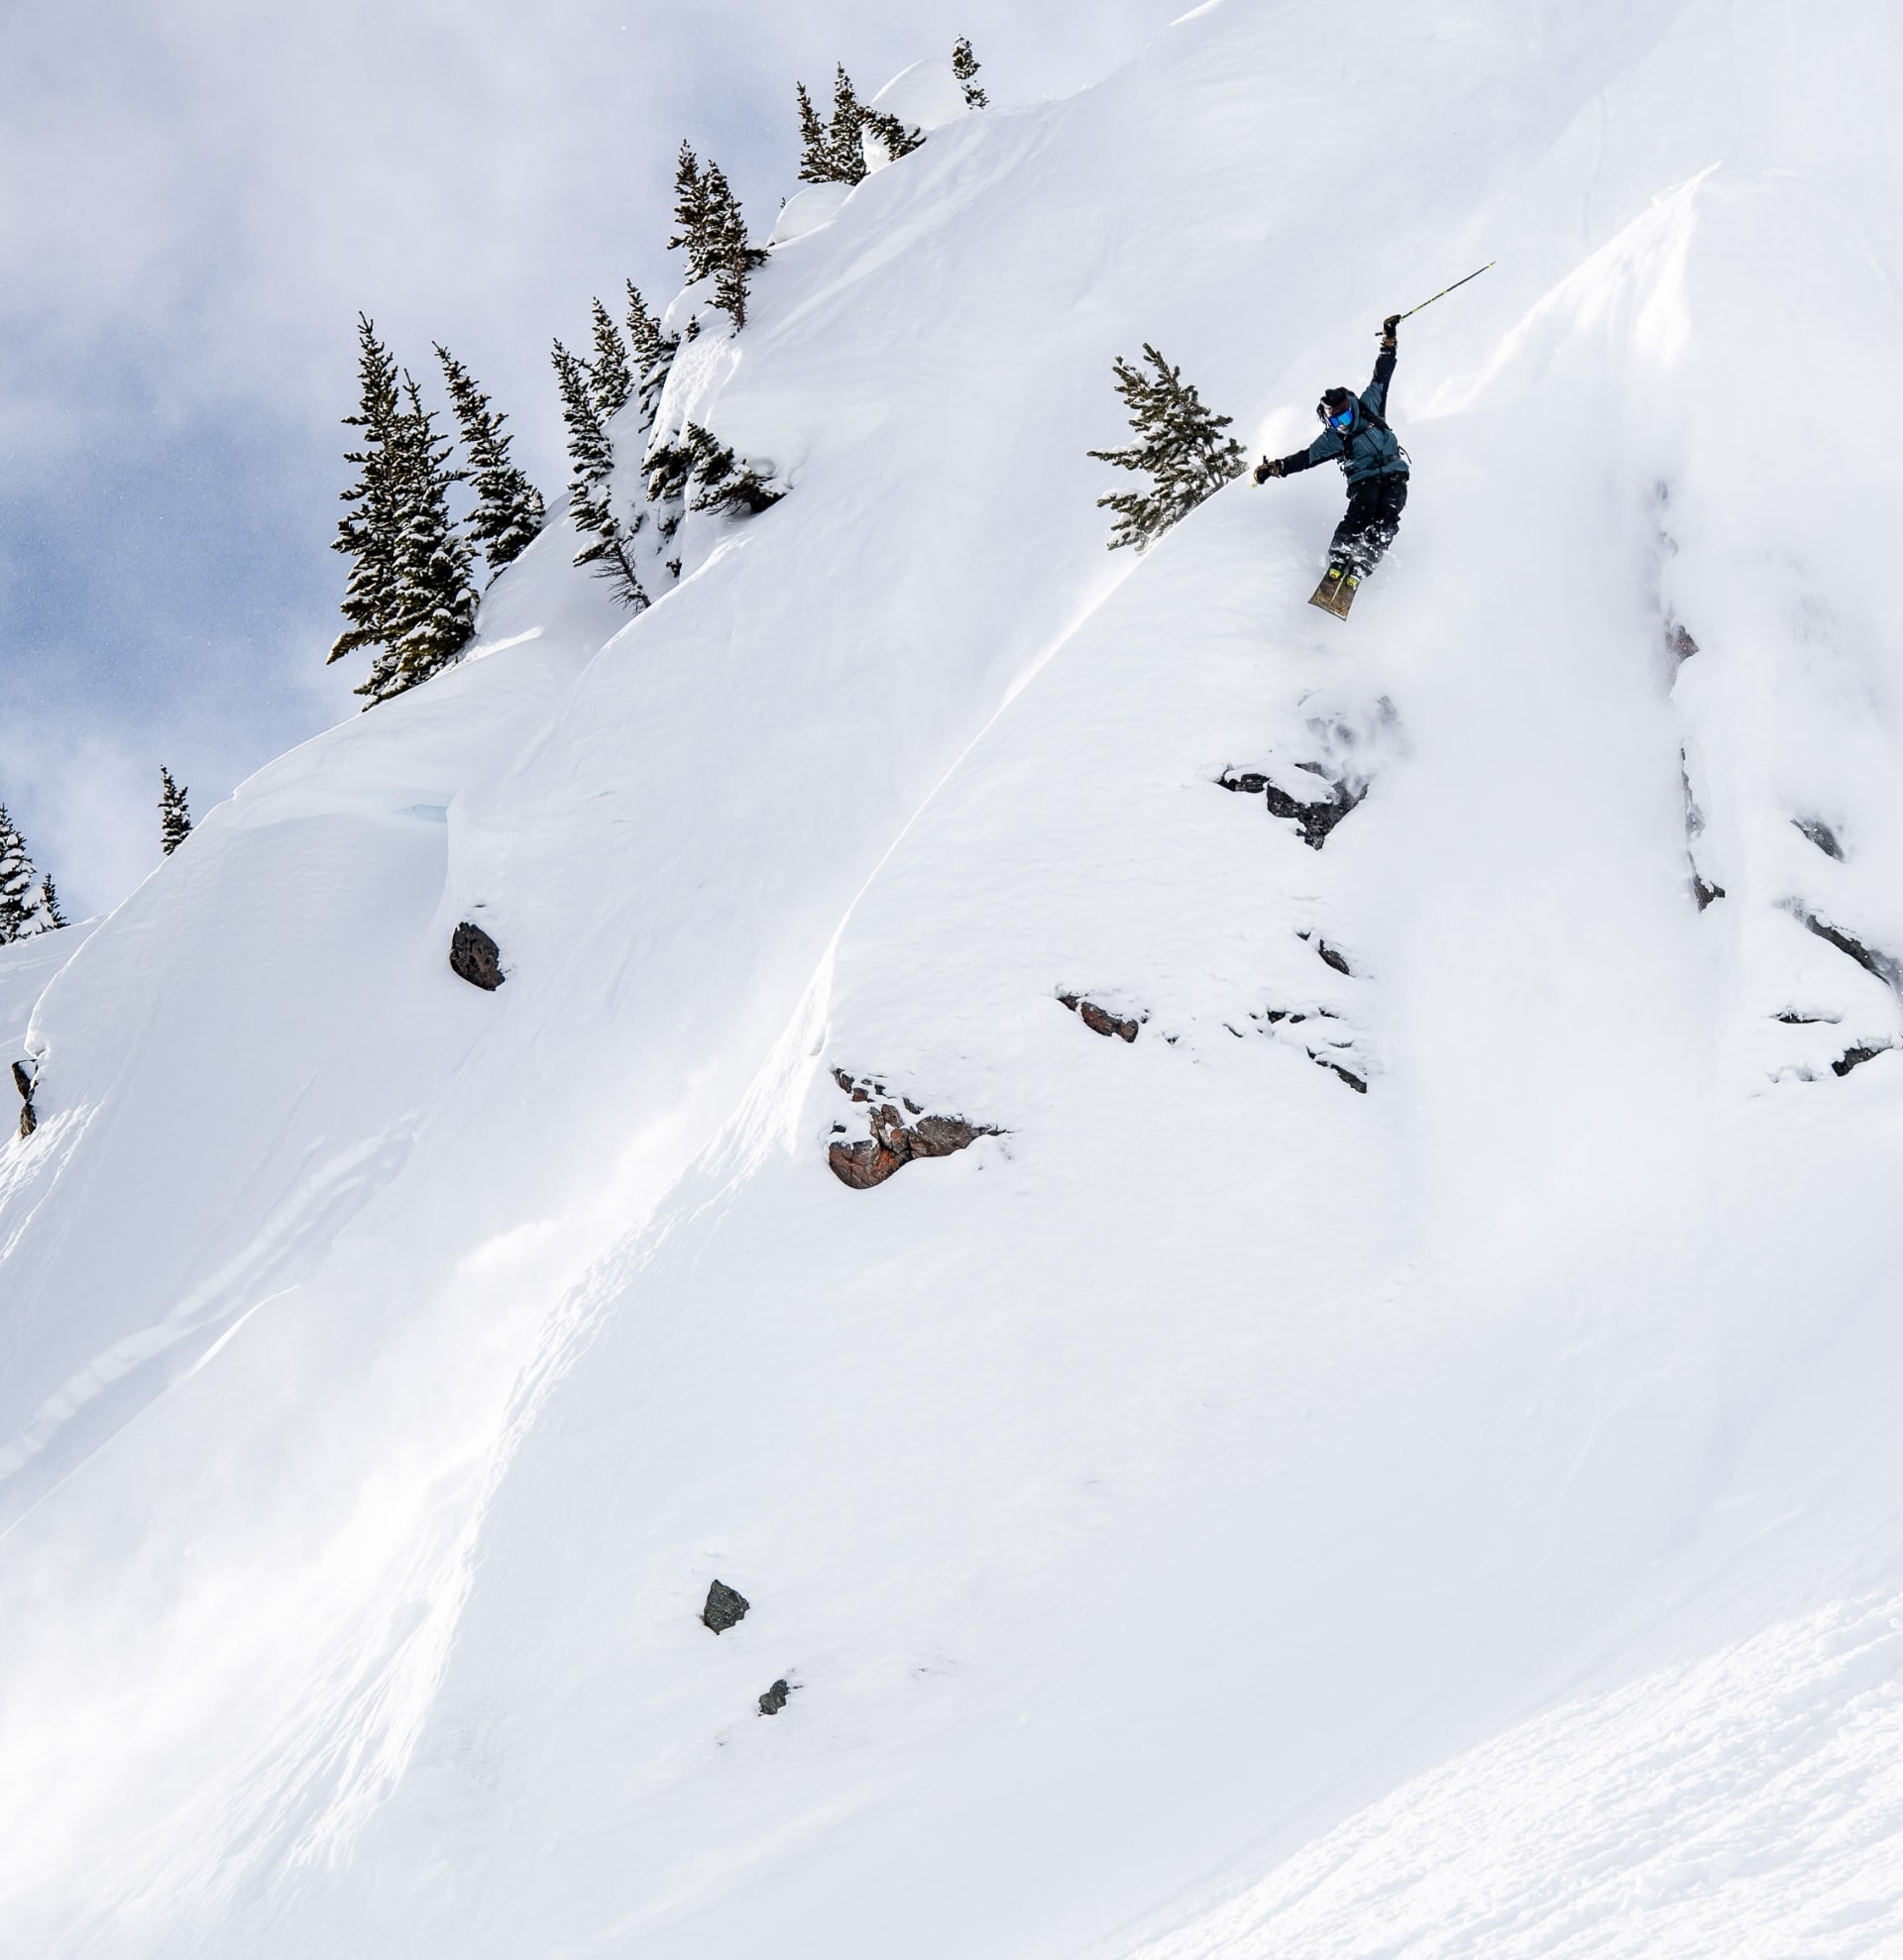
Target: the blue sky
(195, 208)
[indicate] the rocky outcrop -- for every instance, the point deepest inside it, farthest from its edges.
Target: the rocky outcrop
(476, 958)
(724, 1607)
(895, 1142)
(1856, 1057)
(23, 1080)
(775, 1698)
(1314, 818)
(1821, 835)
(1880, 965)
(1099, 1019)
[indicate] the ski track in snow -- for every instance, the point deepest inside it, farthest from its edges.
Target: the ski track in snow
(1395, 1459)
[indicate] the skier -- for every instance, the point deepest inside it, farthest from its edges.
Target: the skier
(1355, 434)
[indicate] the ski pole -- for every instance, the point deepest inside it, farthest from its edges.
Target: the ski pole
(1446, 290)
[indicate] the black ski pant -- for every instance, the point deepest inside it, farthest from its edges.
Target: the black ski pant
(1368, 525)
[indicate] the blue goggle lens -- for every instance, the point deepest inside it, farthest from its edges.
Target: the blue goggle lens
(1341, 420)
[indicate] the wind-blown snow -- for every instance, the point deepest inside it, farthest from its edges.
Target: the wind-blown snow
(1220, 1513)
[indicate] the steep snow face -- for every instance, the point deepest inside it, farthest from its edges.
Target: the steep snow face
(1395, 1454)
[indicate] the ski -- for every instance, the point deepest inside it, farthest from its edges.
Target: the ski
(1336, 592)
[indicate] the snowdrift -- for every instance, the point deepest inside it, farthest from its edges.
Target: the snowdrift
(1395, 1455)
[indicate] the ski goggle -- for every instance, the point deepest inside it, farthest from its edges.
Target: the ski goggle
(1339, 419)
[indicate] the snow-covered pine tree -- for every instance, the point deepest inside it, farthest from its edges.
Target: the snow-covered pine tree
(610, 380)
(29, 904)
(1181, 447)
(368, 531)
(965, 65)
(17, 880)
(891, 135)
(435, 599)
(832, 153)
(508, 507)
(732, 260)
(725, 484)
(175, 818)
(691, 234)
(591, 458)
(654, 351)
(710, 229)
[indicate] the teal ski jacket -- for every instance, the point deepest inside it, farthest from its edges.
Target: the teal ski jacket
(1369, 448)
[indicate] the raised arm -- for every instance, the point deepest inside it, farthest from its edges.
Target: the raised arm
(1376, 397)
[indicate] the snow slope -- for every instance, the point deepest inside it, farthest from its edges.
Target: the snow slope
(1221, 1512)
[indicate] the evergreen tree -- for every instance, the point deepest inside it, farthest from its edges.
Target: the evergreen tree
(689, 216)
(591, 456)
(175, 820)
(966, 64)
(654, 351)
(17, 880)
(832, 155)
(368, 531)
(508, 507)
(889, 134)
(435, 600)
(610, 381)
(29, 904)
(1179, 446)
(732, 260)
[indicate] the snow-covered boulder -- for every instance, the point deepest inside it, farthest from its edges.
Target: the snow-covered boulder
(807, 211)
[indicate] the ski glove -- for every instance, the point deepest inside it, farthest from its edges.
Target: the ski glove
(1388, 327)
(1270, 465)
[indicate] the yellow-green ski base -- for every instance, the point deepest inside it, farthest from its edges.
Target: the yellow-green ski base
(1336, 592)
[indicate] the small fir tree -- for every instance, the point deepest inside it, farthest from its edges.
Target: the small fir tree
(1181, 447)
(508, 507)
(654, 353)
(832, 153)
(710, 228)
(29, 904)
(733, 261)
(17, 880)
(368, 533)
(51, 919)
(435, 605)
(175, 818)
(590, 455)
(891, 135)
(966, 64)
(610, 380)
(690, 233)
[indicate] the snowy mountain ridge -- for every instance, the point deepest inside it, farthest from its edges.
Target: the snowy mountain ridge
(1393, 1456)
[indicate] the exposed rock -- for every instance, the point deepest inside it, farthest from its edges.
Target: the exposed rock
(1705, 893)
(1316, 820)
(1331, 956)
(22, 1077)
(775, 1698)
(476, 958)
(1352, 1080)
(1856, 1057)
(1678, 642)
(724, 1607)
(1100, 1019)
(1821, 835)
(1881, 965)
(894, 1143)
(1792, 1018)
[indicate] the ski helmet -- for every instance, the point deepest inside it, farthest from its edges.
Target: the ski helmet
(1336, 407)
